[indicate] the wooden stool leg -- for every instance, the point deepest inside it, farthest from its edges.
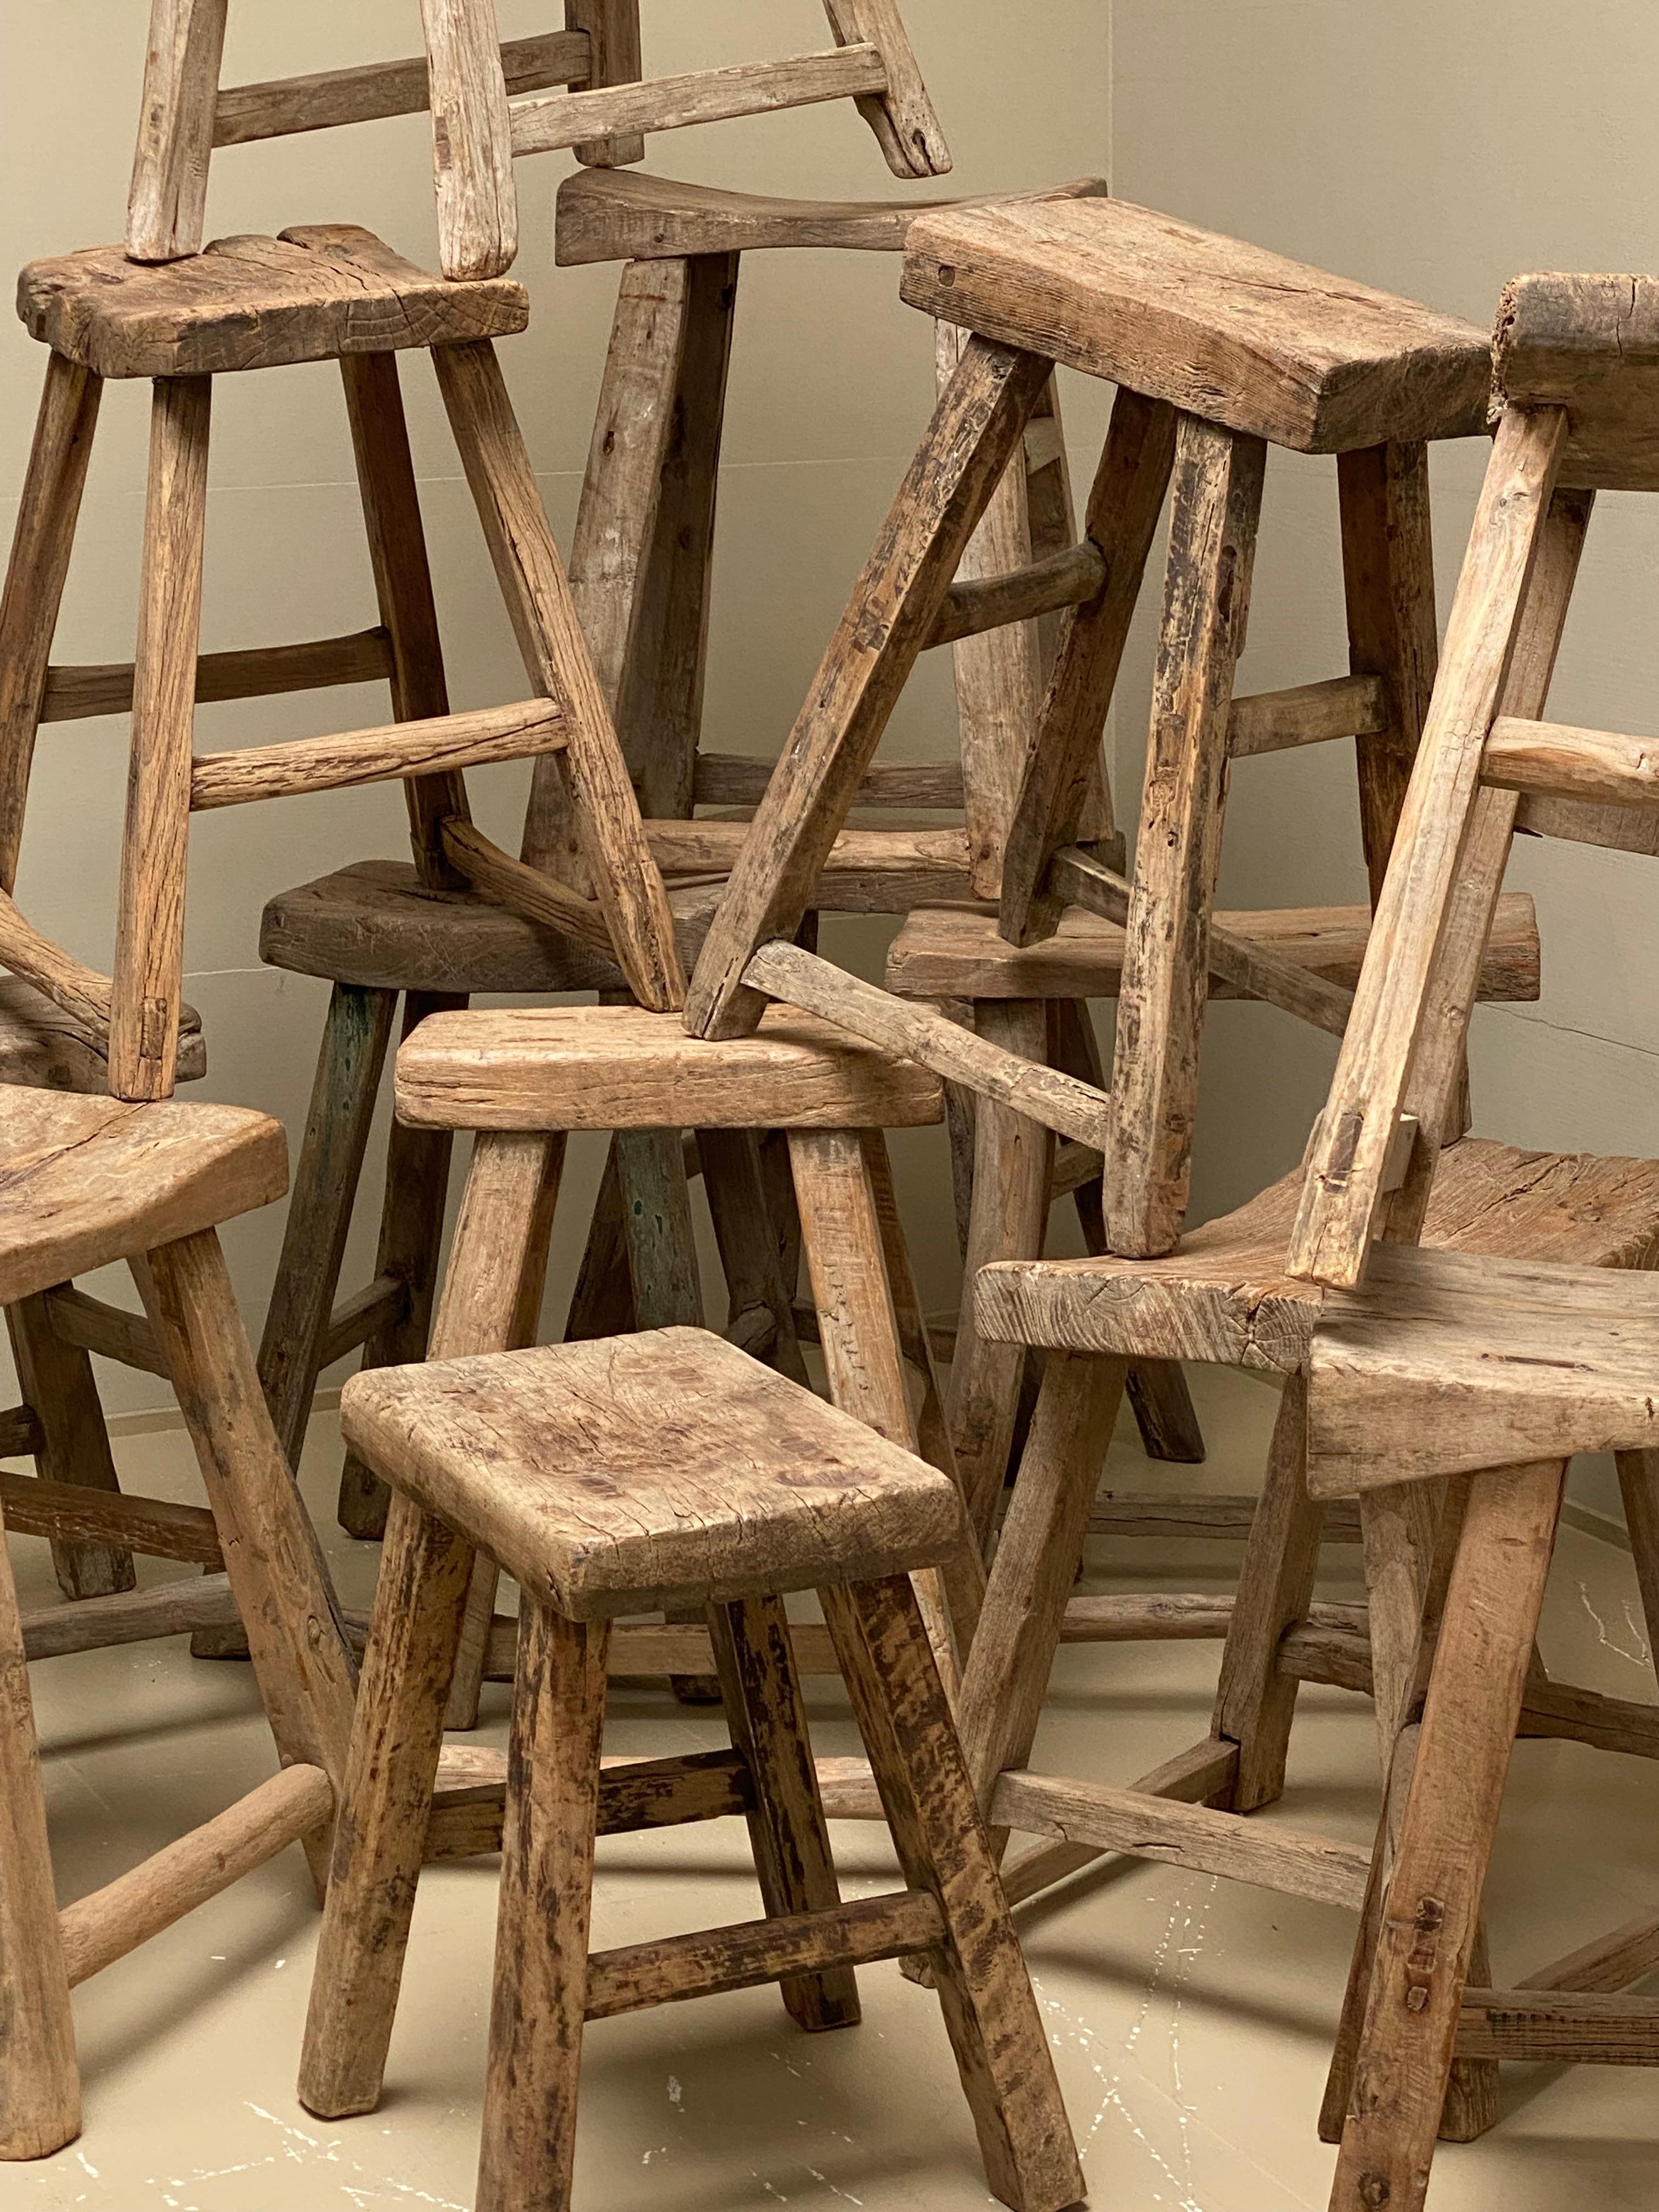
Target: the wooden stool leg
(150, 935)
(1214, 508)
(1013, 1160)
(1638, 1484)
(767, 1719)
(343, 1094)
(1430, 1911)
(540, 1998)
(984, 1991)
(58, 1384)
(411, 1233)
(40, 547)
(602, 1302)
(40, 2083)
(389, 1779)
(733, 1185)
(1254, 1700)
(492, 1303)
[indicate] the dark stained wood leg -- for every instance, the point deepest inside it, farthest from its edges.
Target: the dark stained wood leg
(756, 1289)
(538, 2010)
(602, 1304)
(58, 1383)
(767, 1719)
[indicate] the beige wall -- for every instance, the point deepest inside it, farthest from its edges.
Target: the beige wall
(832, 383)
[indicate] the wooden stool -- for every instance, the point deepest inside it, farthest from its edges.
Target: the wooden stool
(466, 78)
(602, 1477)
(524, 1079)
(88, 1181)
(312, 294)
(1524, 1364)
(1279, 354)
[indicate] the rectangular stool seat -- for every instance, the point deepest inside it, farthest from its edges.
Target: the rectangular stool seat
(315, 293)
(1224, 1294)
(1219, 328)
(623, 1067)
(634, 1472)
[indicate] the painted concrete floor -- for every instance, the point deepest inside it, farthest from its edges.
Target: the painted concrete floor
(1190, 2019)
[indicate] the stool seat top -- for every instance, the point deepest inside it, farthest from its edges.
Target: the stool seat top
(631, 1472)
(85, 1181)
(1216, 327)
(313, 293)
(624, 1067)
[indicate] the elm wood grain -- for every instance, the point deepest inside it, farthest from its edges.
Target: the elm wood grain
(611, 1067)
(397, 1732)
(1201, 1517)
(525, 891)
(612, 30)
(616, 1489)
(1388, 574)
(1332, 1236)
(531, 576)
(177, 1608)
(403, 588)
(435, 748)
(1562, 2028)
(766, 1716)
(545, 122)
(740, 780)
(109, 1922)
(39, 563)
(1267, 347)
(1562, 761)
(996, 675)
(411, 1230)
(315, 293)
(149, 929)
(375, 925)
(1215, 504)
(1042, 1094)
(56, 1380)
(1429, 1917)
(1585, 343)
(1124, 505)
(166, 200)
(678, 1967)
(901, 114)
(869, 870)
(354, 1038)
(984, 1991)
(40, 2081)
(1200, 1776)
(1605, 1965)
(1355, 705)
(539, 1992)
(85, 1180)
(747, 1242)
(36, 1506)
(472, 140)
(648, 1648)
(280, 107)
(975, 429)
(47, 1049)
(1225, 1296)
(78, 992)
(958, 952)
(615, 216)
(1070, 578)
(75, 694)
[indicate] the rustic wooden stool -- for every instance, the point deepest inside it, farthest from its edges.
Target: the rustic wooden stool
(86, 1181)
(1276, 353)
(312, 294)
(602, 1477)
(1524, 1365)
(466, 78)
(528, 1077)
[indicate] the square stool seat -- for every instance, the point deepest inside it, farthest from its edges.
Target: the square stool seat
(634, 1472)
(1219, 328)
(316, 293)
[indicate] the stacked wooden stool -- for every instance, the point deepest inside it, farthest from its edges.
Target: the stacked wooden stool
(1524, 1363)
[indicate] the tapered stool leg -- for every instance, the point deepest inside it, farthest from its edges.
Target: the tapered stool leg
(58, 1384)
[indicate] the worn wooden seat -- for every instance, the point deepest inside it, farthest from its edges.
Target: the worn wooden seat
(316, 293)
(625, 215)
(640, 1470)
(616, 1067)
(1268, 346)
(43, 1045)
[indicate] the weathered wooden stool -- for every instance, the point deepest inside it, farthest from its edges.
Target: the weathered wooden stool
(603, 1477)
(1524, 1365)
(526, 1078)
(316, 294)
(86, 1181)
(1218, 350)
(466, 78)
